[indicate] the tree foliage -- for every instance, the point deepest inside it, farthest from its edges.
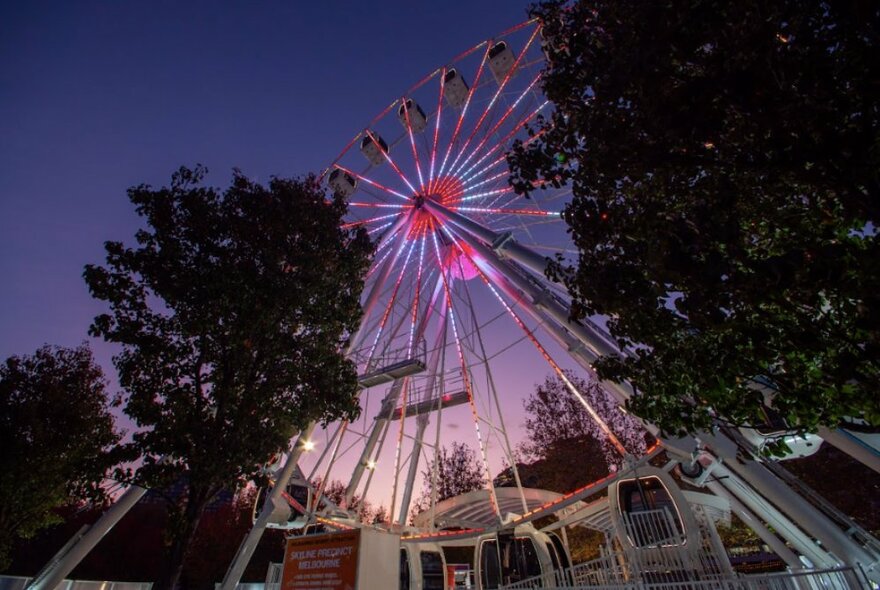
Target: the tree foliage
(557, 424)
(231, 310)
(56, 438)
(366, 513)
(459, 471)
(723, 159)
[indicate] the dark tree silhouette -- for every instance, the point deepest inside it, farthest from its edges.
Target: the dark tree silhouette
(56, 436)
(723, 159)
(232, 311)
(458, 471)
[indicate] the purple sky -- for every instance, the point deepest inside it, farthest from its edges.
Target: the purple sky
(96, 97)
(99, 96)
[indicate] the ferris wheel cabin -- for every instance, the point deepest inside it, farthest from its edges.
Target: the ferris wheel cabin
(455, 89)
(501, 61)
(374, 148)
(412, 115)
(342, 183)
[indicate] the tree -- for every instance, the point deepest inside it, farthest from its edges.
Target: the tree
(231, 311)
(458, 471)
(723, 159)
(558, 428)
(335, 492)
(56, 436)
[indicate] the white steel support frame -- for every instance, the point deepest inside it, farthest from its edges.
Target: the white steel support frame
(249, 544)
(748, 517)
(422, 421)
(754, 480)
(382, 417)
(54, 573)
(387, 408)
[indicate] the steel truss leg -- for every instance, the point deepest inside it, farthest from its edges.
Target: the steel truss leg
(53, 574)
(422, 423)
(249, 544)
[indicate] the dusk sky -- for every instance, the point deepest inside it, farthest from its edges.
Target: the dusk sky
(99, 96)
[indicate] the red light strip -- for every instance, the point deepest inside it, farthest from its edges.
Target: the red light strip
(365, 221)
(390, 302)
(492, 193)
(412, 142)
(494, 98)
(391, 162)
(503, 141)
(464, 109)
(498, 124)
(465, 375)
(378, 205)
(580, 491)
(502, 211)
(502, 158)
(416, 297)
(486, 181)
(437, 128)
(373, 183)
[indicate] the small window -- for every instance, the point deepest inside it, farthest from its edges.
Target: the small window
(529, 562)
(497, 49)
(404, 570)
(433, 576)
(637, 496)
(490, 565)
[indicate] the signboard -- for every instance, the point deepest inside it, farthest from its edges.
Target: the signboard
(322, 562)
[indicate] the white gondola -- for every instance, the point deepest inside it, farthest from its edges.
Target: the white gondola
(455, 89)
(417, 118)
(649, 511)
(510, 556)
(774, 429)
(374, 148)
(342, 183)
(422, 567)
(501, 61)
(286, 513)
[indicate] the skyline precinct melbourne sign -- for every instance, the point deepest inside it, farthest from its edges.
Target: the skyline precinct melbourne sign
(322, 562)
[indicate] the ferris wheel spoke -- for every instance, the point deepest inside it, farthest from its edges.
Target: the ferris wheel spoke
(500, 160)
(437, 128)
(466, 378)
(369, 220)
(412, 142)
(373, 183)
(494, 391)
(481, 195)
(612, 438)
(464, 109)
(390, 161)
(417, 296)
(504, 211)
(503, 142)
(390, 305)
(498, 124)
(492, 102)
(379, 205)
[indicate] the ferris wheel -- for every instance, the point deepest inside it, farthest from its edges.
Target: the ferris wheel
(460, 322)
(456, 296)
